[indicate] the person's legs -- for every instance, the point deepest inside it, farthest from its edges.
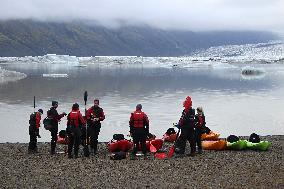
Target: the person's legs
(70, 145)
(191, 139)
(182, 141)
(77, 134)
(198, 133)
(53, 132)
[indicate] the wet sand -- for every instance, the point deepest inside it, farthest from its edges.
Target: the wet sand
(212, 169)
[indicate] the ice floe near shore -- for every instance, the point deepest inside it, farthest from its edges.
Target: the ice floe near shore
(9, 76)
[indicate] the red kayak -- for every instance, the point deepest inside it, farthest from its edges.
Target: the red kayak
(157, 143)
(120, 145)
(169, 137)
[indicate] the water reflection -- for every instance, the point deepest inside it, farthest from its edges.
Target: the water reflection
(232, 105)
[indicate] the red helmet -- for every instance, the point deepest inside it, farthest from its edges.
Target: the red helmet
(187, 103)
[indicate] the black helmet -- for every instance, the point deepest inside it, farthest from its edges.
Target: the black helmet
(75, 106)
(139, 106)
(40, 110)
(54, 103)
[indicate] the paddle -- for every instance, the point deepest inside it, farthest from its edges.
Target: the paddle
(86, 148)
(34, 103)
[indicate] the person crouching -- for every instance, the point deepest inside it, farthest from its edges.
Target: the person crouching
(74, 123)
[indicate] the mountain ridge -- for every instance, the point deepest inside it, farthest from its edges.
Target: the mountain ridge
(34, 38)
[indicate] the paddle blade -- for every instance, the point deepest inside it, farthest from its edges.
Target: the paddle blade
(171, 151)
(160, 155)
(85, 96)
(153, 149)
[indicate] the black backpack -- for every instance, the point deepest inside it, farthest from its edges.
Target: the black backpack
(254, 138)
(47, 123)
(32, 120)
(118, 155)
(118, 137)
(232, 138)
(171, 131)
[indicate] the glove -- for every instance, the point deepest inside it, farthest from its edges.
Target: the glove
(37, 133)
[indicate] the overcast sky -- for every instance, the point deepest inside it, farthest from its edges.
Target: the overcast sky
(193, 15)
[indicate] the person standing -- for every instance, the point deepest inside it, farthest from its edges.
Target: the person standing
(186, 124)
(199, 127)
(94, 115)
(75, 122)
(34, 130)
(53, 115)
(139, 129)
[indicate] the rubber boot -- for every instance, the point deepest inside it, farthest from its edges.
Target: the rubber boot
(53, 145)
(132, 156)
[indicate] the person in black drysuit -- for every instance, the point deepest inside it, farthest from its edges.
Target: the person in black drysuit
(186, 124)
(94, 116)
(55, 118)
(75, 122)
(34, 130)
(199, 127)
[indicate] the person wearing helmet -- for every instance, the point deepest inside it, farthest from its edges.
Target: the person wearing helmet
(199, 127)
(34, 130)
(94, 115)
(55, 118)
(75, 122)
(186, 124)
(139, 129)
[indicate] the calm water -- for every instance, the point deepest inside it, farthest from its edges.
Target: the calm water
(232, 104)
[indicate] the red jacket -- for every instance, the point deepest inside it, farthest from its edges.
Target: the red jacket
(75, 118)
(38, 118)
(139, 119)
(95, 112)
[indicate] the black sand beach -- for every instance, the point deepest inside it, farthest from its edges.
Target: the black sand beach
(212, 169)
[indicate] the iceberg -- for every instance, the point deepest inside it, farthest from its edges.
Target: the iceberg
(10, 76)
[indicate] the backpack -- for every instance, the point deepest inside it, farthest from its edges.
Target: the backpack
(232, 138)
(32, 120)
(47, 123)
(254, 138)
(118, 137)
(118, 155)
(170, 131)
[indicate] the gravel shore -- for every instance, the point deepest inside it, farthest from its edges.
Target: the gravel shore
(212, 169)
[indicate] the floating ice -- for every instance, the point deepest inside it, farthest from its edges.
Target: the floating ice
(55, 75)
(249, 72)
(9, 76)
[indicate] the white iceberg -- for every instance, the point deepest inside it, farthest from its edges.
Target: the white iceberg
(10, 76)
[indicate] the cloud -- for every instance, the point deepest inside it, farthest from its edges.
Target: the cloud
(193, 15)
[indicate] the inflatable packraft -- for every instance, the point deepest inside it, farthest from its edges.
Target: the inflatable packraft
(210, 136)
(120, 145)
(214, 145)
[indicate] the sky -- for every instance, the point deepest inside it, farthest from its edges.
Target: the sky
(194, 15)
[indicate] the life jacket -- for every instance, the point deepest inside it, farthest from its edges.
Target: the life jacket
(201, 121)
(138, 119)
(35, 120)
(74, 119)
